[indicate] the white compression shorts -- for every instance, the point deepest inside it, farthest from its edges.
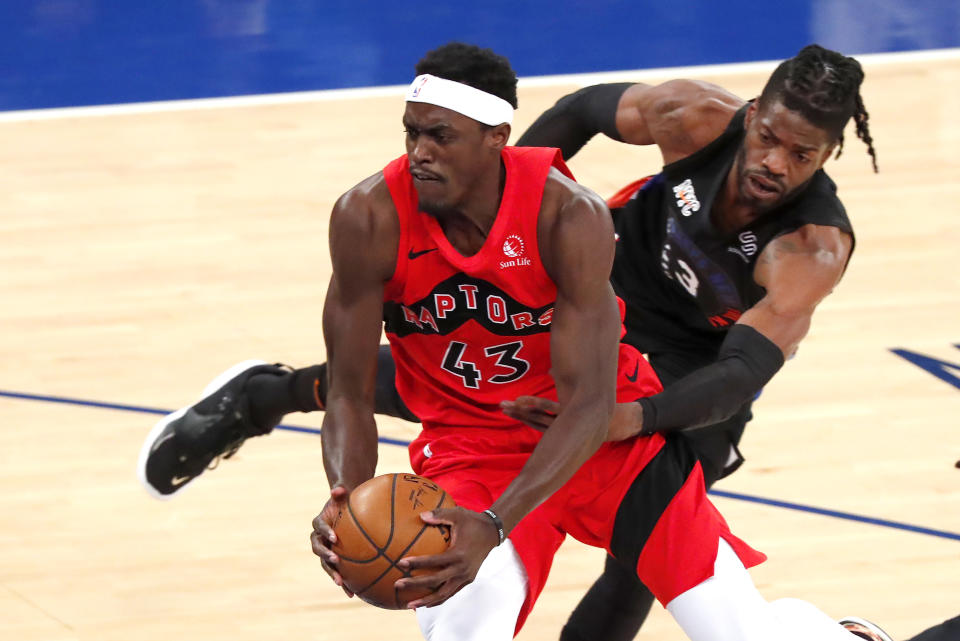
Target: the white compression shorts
(485, 610)
(725, 607)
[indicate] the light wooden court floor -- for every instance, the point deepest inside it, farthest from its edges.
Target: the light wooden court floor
(144, 252)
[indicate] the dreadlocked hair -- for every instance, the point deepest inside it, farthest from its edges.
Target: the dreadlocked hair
(470, 65)
(824, 87)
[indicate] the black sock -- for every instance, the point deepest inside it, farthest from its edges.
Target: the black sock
(386, 398)
(272, 396)
(613, 609)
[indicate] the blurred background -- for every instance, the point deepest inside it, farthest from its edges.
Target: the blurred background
(56, 53)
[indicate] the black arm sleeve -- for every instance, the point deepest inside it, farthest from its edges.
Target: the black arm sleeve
(576, 118)
(746, 362)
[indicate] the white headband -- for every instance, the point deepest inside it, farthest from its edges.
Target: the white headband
(464, 99)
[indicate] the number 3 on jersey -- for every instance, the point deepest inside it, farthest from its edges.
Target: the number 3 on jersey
(471, 375)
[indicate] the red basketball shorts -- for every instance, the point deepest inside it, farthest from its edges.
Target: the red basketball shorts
(643, 500)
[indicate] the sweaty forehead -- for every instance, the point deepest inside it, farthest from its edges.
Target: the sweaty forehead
(791, 125)
(426, 116)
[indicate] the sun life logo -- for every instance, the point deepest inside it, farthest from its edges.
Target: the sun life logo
(513, 248)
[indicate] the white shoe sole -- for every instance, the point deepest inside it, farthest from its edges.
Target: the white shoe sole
(211, 387)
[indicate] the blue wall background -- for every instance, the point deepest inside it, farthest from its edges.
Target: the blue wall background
(57, 53)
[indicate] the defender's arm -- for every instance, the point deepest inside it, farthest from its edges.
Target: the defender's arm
(680, 116)
(798, 270)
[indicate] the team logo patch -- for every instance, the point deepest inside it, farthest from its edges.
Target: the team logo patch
(513, 246)
(748, 246)
(686, 198)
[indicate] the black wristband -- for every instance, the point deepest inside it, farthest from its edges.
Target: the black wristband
(497, 523)
(648, 423)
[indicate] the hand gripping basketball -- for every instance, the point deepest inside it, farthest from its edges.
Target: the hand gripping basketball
(361, 536)
(473, 535)
(322, 538)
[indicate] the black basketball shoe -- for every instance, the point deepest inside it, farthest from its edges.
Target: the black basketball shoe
(185, 443)
(864, 629)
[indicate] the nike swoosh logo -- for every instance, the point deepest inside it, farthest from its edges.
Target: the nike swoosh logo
(177, 481)
(636, 372)
(412, 254)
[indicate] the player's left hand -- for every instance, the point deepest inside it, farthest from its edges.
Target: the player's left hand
(473, 535)
(323, 537)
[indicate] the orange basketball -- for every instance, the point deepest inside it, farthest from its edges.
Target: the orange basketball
(379, 525)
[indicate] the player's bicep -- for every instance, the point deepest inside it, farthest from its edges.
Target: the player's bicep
(679, 116)
(353, 309)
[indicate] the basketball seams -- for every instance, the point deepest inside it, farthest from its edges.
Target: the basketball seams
(393, 512)
(369, 539)
(392, 562)
(413, 541)
(380, 591)
(356, 522)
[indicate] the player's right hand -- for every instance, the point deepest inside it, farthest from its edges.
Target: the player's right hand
(472, 536)
(323, 537)
(626, 422)
(534, 411)
(539, 413)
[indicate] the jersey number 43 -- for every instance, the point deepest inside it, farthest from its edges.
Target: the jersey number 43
(508, 366)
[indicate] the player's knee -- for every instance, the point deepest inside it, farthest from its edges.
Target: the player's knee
(620, 582)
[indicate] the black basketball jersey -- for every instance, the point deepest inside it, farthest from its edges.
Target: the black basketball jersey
(684, 283)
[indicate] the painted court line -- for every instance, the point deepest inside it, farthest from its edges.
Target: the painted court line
(392, 441)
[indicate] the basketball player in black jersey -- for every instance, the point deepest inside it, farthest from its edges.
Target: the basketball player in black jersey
(722, 259)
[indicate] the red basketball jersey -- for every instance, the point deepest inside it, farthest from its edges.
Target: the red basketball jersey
(470, 331)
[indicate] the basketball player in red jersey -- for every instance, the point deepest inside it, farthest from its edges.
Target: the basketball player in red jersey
(466, 333)
(490, 267)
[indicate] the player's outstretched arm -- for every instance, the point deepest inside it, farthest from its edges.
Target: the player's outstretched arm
(680, 116)
(798, 270)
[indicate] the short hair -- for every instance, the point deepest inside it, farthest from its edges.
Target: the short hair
(824, 87)
(468, 64)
